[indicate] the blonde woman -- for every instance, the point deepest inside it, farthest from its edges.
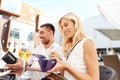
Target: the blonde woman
(81, 57)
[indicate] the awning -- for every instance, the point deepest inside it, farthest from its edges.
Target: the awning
(113, 34)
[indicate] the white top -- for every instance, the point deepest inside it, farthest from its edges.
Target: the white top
(35, 75)
(76, 59)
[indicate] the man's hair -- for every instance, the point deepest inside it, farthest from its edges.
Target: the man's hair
(49, 26)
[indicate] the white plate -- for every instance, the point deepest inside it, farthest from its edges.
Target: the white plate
(4, 73)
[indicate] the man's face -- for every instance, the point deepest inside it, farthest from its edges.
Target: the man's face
(44, 35)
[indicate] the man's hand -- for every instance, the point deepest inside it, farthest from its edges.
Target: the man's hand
(18, 65)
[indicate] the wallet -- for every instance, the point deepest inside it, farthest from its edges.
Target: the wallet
(45, 64)
(9, 58)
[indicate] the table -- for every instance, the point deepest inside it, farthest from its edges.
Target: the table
(19, 74)
(49, 77)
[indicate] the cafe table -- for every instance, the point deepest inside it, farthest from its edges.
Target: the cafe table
(48, 77)
(7, 74)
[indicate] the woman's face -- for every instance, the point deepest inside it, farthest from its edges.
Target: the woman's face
(68, 27)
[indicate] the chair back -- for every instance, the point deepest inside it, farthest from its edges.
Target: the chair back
(107, 73)
(112, 61)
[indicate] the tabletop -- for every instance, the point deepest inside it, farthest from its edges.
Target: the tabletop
(6, 74)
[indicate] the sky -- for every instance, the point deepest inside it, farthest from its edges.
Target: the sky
(54, 9)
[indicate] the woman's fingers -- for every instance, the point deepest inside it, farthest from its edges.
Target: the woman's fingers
(59, 66)
(54, 54)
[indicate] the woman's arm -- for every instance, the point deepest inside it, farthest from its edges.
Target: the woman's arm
(90, 58)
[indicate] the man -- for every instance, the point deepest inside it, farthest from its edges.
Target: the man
(48, 44)
(46, 34)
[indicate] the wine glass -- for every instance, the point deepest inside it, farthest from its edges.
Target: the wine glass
(26, 50)
(24, 54)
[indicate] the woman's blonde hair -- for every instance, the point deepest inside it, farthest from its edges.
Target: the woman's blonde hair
(79, 32)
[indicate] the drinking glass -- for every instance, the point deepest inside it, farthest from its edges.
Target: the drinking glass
(24, 54)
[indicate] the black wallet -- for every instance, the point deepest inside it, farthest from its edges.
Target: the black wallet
(9, 58)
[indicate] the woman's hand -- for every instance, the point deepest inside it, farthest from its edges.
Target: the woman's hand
(60, 65)
(53, 54)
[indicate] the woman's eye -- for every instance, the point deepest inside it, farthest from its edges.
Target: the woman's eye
(65, 24)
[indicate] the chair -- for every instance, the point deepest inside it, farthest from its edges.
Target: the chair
(107, 73)
(112, 61)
